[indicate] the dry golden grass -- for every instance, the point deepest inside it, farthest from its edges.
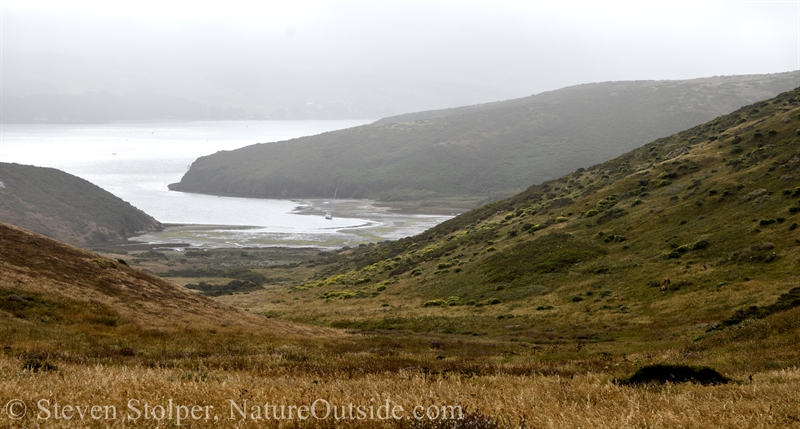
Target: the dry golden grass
(585, 401)
(66, 280)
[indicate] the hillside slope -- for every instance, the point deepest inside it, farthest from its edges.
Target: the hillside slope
(65, 207)
(55, 291)
(652, 249)
(482, 151)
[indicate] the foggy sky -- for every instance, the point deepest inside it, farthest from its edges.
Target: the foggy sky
(500, 50)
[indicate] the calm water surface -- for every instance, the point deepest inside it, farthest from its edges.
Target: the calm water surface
(136, 162)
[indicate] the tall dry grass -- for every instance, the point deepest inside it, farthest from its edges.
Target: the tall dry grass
(771, 400)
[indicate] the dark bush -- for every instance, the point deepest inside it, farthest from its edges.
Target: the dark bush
(664, 373)
(699, 244)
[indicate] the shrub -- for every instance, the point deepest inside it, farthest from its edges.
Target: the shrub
(737, 150)
(637, 202)
(435, 303)
(493, 301)
(786, 301)
(544, 307)
(577, 298)
(663, 373)
(700, 244)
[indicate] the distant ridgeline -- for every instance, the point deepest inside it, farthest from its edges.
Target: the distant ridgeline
(489, 150)
(65, 207)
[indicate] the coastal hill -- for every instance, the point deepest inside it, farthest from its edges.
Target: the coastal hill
(478, 153)
(683, 244)
(53, 289)
(65, 207)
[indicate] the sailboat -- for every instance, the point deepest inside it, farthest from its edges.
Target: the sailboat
(328, 214)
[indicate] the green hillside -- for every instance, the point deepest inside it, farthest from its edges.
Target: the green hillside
(585, 258)
(479, 152)
(65, 207)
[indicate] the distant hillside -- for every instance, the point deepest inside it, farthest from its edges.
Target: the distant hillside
(65, 207)
(667, 244)
(482, 152)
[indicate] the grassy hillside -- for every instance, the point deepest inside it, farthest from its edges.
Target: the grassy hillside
(61, 300)
(582, 259)
(68, 208)
(481, 152)
(79, 330)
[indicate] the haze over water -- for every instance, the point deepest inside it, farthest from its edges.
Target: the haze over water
(136, 162)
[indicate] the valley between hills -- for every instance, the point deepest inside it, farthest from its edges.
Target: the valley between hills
(531, 311)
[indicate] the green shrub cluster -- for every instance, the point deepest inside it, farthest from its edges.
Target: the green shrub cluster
(786, 301)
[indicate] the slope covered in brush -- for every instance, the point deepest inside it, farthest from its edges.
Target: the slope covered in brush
(65, 207)
(660, 244)
(480, 151)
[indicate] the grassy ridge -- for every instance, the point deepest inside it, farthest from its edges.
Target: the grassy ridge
(485, 151)
(66, 207)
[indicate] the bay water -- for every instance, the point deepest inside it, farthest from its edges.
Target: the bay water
(136, 162)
